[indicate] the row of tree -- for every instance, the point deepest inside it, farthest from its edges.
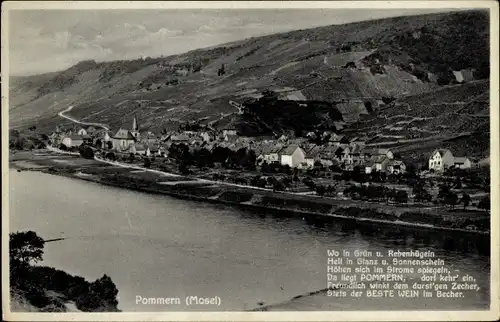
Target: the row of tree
(241, 159)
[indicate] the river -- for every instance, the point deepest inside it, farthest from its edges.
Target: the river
(158, 246)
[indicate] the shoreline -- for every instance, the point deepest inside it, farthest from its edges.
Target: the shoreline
(250, 199)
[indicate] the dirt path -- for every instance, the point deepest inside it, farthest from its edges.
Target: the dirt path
(61, 114)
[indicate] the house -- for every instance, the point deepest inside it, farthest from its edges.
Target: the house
(312, 155)
(91, 129)
(181, 138)
(357, 154)
(441, 160)
(464, 75)
(156, 150)
(103, 137)
(82, 131)
(141, 149)
(87, 139)
(378, 163)
(338, 139)
(462, 163)
(205, 136)
(346, 156)
(369, 153)
(123, 139)
(271, 153)
(293, 155)
(396, 167)
(229, 131)
(72, 140)
(338, 125)
(230, 137)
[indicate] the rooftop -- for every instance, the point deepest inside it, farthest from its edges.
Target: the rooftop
(123, 134)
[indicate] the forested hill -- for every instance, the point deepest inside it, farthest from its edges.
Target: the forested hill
(356, 67)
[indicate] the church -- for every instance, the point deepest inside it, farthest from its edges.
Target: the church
(124, 139)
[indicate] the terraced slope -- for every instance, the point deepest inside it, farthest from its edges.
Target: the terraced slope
(347, 65)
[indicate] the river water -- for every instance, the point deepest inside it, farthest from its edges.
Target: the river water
(157, 246)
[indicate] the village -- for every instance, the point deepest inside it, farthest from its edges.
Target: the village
(324, 164)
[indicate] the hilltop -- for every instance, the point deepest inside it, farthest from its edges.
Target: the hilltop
(398, 69)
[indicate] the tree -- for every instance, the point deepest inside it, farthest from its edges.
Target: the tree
(421, 194)
(286, 182)
(98, 143)
(131, 157)
(264, 167)
(278, 185)
(183, 168)
(258, 181)
(105, 289)
(401, 196)
(203, 158)
(451, 199)
(286, 169)
(320, 190)
(484, 203)
(465, 200)
(147, 163)
(86, 152)
(109, 145)
(309, 183)
(330, 190)
(251, 159)
(24, 248)
(357, 175)
(63, 147)
(443, 191)
(111, 156)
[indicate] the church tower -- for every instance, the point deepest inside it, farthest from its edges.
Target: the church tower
(135, 128)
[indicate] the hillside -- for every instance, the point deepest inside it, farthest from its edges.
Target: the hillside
(369, 71)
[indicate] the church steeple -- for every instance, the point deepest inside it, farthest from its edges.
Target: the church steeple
(135, 127)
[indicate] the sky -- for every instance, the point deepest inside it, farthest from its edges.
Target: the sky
(50, 40)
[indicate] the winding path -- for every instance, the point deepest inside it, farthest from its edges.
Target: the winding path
(61, 114)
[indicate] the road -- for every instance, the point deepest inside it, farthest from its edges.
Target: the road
(61, 114)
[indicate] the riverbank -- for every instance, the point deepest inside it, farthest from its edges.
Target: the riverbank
(316, 210)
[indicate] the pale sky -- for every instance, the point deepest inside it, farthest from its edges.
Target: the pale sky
(51, 40)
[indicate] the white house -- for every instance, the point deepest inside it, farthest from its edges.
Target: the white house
(82, 131)
(271, 154)
(72, 140)
(462, 163)
(293, 155)
(441, 160)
